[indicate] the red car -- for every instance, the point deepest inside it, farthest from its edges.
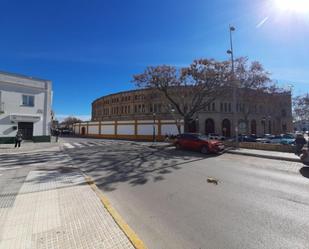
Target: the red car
(199, 142)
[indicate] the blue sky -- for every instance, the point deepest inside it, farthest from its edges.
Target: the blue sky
(90, 48)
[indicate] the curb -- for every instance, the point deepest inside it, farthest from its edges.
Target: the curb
(131, 235)
(264, 156)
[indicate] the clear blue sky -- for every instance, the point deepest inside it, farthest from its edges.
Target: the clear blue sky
(90, 48)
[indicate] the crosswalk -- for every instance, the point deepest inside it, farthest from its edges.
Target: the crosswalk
(76, 145)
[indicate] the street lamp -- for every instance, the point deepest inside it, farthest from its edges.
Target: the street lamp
(197, 125)
(154, 127)
(234, 86)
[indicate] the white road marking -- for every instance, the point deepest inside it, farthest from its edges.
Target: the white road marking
(68, 145)
(90, 144)
(78, 145)
(9, 168)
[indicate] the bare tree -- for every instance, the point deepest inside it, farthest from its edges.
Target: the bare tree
(301, 107)
(187, 90)
(254, 87)
(67, 122)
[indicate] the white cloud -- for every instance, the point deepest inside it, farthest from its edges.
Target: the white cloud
(61, 117)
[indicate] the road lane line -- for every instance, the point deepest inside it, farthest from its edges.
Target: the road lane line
(70, 146)
(78, 145)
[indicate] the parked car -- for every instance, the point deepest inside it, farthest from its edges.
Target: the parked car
(199, 142)
(244, 138)
(276, 139)
(247, 138)
(265, 139)
(214, 136)
(282, 139)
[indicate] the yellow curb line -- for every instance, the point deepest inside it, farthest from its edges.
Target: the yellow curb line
(132, 236)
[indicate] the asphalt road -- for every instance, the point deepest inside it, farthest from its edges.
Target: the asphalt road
(164, 195)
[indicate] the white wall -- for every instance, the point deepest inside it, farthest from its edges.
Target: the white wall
(93, 129)
(11, 97)
(125, 129)
(128, 128)
(76, 129)
(108, 129)
(169, 129)
(146, 129)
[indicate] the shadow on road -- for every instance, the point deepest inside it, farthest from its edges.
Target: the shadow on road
(110, 165)
(304, 171)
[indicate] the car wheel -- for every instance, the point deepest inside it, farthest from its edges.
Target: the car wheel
(204, 150)
(178, 147)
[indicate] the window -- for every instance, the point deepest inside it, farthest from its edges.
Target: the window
(214, 106)
(230, 107)
(28, 100)
(221, 107)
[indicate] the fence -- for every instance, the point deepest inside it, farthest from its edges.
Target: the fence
(132, 129)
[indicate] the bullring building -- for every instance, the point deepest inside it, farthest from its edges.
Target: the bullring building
(270, 114)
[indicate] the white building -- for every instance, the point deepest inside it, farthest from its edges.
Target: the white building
(25, 105)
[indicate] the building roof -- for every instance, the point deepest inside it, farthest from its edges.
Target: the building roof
(22, 76)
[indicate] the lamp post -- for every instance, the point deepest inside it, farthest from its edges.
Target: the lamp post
(264, 125)
(234, 85)
(154, 127)
(197, 125)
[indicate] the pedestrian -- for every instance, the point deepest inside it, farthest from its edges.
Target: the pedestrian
(300, 141)
(18, 138)
(57, 135)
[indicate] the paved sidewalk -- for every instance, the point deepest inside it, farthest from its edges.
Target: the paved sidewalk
(266, 154)
(57, 209)
(28, 147)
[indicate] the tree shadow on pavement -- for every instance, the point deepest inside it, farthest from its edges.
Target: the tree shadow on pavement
(135, 165)
(55, 166)
(304, 171)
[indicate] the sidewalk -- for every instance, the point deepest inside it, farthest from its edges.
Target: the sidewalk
(58, 209)
(28, 146)
(265, 154)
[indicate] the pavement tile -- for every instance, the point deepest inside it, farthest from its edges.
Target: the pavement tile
(57, 210)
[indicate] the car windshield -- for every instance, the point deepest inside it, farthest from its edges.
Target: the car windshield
(203, 137)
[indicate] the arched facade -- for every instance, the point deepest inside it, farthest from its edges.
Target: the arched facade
(220, 116)
(226, 127)
(253, 126)
(209, 126)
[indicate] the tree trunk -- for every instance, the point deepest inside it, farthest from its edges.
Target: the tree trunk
(186, 124)
(179, 128)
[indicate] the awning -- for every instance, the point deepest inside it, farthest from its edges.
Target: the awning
(24, 118)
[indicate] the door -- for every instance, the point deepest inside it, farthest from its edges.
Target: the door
(226, 128)
(26, 129)
(209, 126)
